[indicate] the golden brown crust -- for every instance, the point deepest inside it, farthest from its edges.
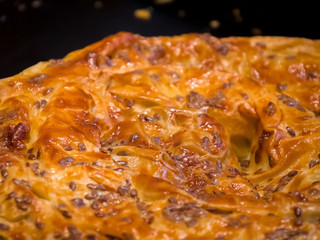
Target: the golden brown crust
(185, 137)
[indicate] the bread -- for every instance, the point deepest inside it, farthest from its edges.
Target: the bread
(186, 137)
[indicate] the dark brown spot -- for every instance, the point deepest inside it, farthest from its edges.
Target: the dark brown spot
(145, 118)
(222, 49)
(312, 75)
(245, 96)
(78, 202)
(91, 237)
(297, 211)
(290, 57)
(57, 234)
(82, 147)
(129, 103)
(133, 193)
(39, 225)
(90, 196)
(181, 213)
(74, 233)
(38, 79)
(195, 100)
(16, 181)
(217, 100)
(206, 144)
(313, 191)
(123, 190)
(11, 195)
(95, 205)
(72, 186)
(156, 53)
(179, 98)
(66, 161)
(122, 153)
(66, 214)
(227, 85)
(68, 148)
(48, 91)
(36, 104)
(175, 75)
(134, 137)
(290, 131)
(155, 77)
(283, 233)
(4, 173)
(305, 118)
(271, 161)
(121, 163)
(270, 109)
(32, 157)
(282, 87)
(99, 214)
(285, 180)
(298, 221)
(192, 222)
(4, 227)
(20, 131)
(43, 103)
(313, 163)
(217, 141)
(261, 44)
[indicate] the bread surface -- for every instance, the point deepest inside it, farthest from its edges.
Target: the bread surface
(186, 137)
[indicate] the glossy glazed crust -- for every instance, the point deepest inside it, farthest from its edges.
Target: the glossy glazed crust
(187, 137)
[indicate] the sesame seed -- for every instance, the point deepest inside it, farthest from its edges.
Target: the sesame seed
(72, 186)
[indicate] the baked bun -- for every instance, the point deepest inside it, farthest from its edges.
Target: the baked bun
(186, 137)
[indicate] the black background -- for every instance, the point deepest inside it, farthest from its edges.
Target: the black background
(38, 30)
